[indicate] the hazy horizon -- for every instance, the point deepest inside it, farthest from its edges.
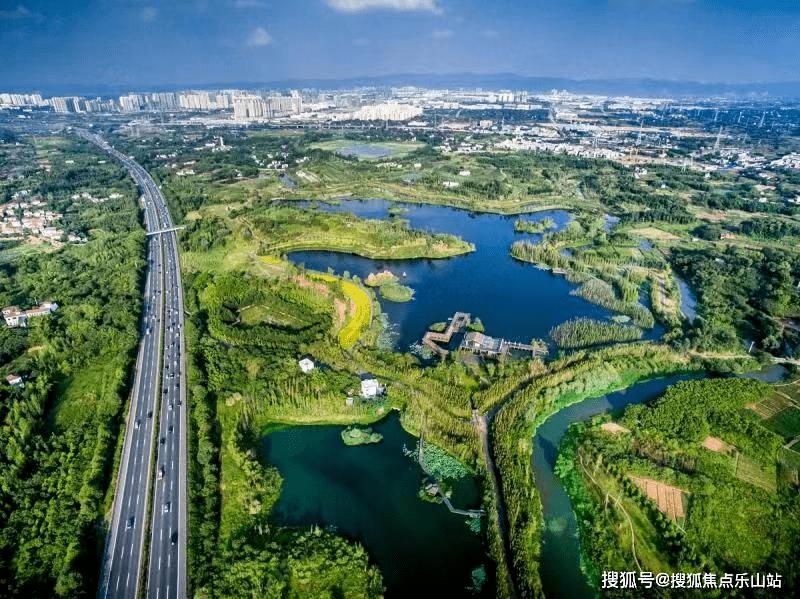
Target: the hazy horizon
(153, 43)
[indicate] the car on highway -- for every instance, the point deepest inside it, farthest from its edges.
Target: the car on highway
(138, 423)
(161, 473)
(174, 537)
(130, 523)
(167, 507)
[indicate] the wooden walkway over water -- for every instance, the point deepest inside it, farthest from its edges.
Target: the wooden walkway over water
(432, 339)
(421, 459)
(476, 342)
(536, 350)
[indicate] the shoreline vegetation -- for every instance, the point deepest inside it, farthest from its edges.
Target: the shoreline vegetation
(354, 435)
(534, 226)
(388, 286)
(395, 292)
(583, 332)
(567, 380)
(285, 228)
(696, 492)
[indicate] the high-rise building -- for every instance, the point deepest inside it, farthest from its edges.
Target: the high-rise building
(59, 104)
(130, 103)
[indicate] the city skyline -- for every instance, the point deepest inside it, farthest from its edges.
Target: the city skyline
(156, 44)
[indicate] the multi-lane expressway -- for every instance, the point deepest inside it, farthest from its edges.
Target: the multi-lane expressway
(157, 421)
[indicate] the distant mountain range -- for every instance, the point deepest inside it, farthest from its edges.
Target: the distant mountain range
(650, 88)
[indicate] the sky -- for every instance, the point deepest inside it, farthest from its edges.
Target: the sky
(150, 43)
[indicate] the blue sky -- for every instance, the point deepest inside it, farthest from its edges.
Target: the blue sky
(147, 43)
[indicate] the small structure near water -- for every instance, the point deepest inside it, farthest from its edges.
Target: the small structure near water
(475, 341)
(371, 388)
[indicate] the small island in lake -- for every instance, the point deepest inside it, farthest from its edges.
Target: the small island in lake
(388, 287)
(354, 435)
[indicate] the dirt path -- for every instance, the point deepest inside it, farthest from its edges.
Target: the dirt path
(481, 423)
(622, 509)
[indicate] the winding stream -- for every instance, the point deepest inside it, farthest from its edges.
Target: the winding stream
(560, 570)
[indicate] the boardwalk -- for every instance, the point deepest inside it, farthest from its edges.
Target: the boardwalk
(476, 342)
(432, 339)
(492, 346)
(421, 459)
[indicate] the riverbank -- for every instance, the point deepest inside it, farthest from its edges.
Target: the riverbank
(702, 511)
(568, 380)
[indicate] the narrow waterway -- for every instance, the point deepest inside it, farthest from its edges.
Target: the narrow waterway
(560, 570)
(688, 300)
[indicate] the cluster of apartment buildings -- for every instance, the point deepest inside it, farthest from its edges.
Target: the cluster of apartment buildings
(585, 150)
(132, 102)
(15, 317)
(251, 107)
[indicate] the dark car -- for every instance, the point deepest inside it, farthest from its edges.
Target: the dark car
(174, 538)
(130, 523)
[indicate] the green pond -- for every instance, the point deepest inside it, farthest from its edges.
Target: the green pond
(368, 493)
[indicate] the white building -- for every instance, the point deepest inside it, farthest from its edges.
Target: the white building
(19, 318)
(370, 388)
(306, 365)
(15, 380)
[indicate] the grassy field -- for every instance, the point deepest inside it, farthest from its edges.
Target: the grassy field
(359, 322)
(751, 472)
(92, 390)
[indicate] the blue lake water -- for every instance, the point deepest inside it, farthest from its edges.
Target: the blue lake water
(513, 299)
(369, 493)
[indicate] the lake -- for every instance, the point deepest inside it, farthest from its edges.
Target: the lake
(513, 299)
(366, 151)
(369, 493)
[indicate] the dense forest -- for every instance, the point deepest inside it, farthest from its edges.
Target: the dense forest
(742, 293)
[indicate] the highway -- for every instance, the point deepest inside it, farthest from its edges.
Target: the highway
(156, 425)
